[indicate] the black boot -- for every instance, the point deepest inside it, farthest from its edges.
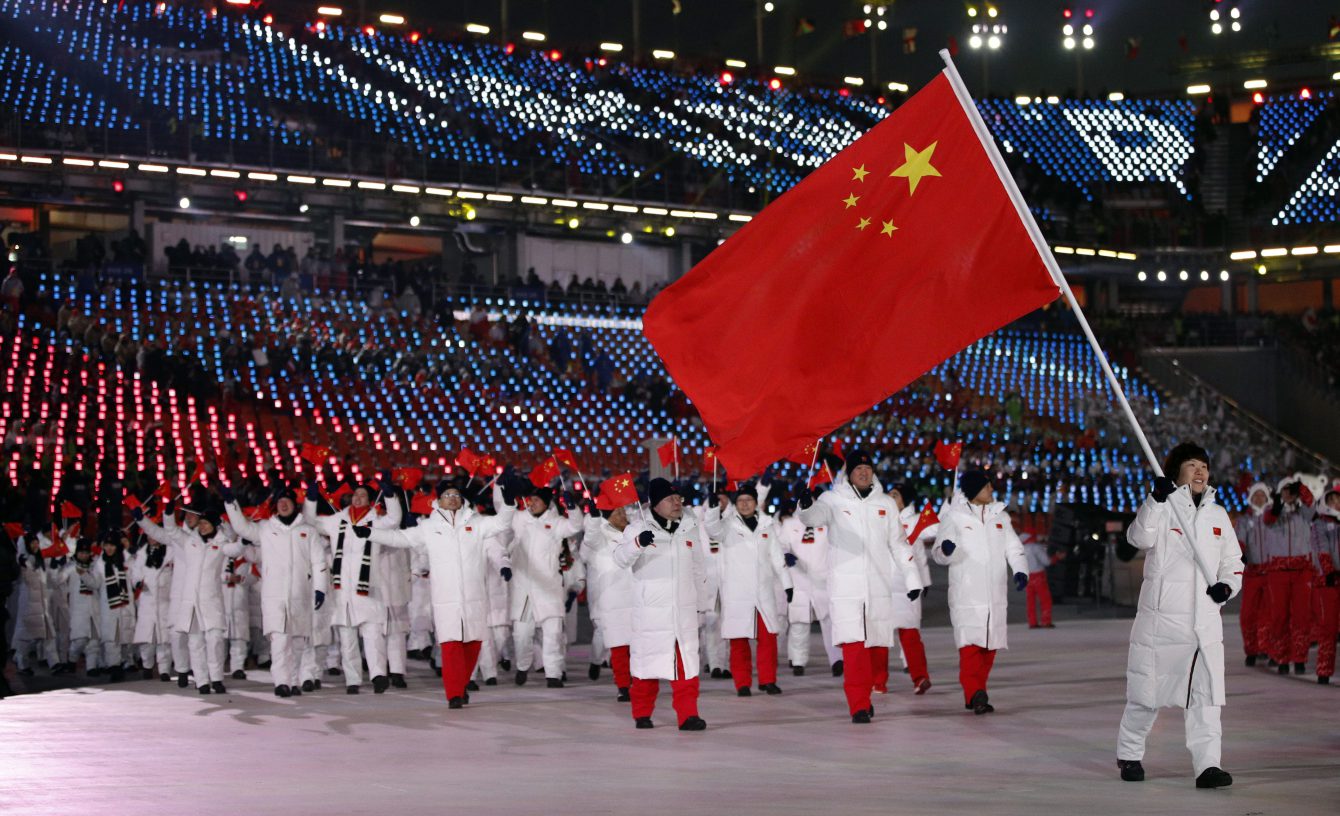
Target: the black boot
(505, 664)
(521, 678)
(1131, 770)
(239, 675)
(203, 689)
(380, 684)
(282, 691)
(165, 678)
(296, 691)
(1214, 778)
(398, 680)
(1324, 680)
(623, 696)
(770, 688)
(183, 680)
(147, 674)
(1283, 668)
(1251, 660)
(334, 672)
(798, 671)
(553, 682)
(217, 685)
(308, 685)
(716, 674)
(316, 684)
(861, 718)
(594, 671)
(116, 674)
(1299, 668)
(351, 689)
(492, 681)
(743, 691)
(264, 666)
(980, 704)
(455, 702)
(694, 723)
(472, 686)
(644, 722)
(837, 669)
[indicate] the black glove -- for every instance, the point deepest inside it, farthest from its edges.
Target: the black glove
(1333, 578)
(411, 520)
(362, 531)
(506, 573)
(1162, 489)
(313, 493)
(137, 513)
(567, 605)
(766, 479)
(386, 481)
(225, 493)
(1020, 581)
(806, 500)
(790, 593)
(790, 559)
(913, 594)
(645, 538)
(947, 547)
(1277, 507)
(925, 593)
(590, 507)
(1219, 593)
(320, 598)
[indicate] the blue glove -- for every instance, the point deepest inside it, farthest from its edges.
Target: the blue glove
(506, 573)
(790, 593)
(1219, 593)
(225, 493)
(137, 513)
(1020, 581)
(912, 595)
(313, 494)
(947, 547)
(567, 605)
(790, 559)
(320, 598)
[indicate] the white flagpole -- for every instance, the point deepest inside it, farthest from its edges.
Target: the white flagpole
(1044, 251)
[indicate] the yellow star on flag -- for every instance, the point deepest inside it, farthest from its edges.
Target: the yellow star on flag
(859, 173)
(888, 229)
(851, 200)
(916, 165)
(865, 222)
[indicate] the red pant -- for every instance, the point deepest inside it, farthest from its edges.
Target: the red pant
(740, 659)
(974, 664)
(1038, 592)
(1291, 612)
(915, 652)
(619, 665)
(1328, 623)
(860, 666)
(458, 663)
(683, 693)
(1254, 617)
(879, 668)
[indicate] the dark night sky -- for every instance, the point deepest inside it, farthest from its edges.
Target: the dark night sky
(1032, 60)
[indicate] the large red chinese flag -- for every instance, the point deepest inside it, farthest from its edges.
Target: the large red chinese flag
(899, 252)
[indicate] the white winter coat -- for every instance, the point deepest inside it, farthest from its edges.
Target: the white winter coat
(83, 588)
(116, 625)
(201, 564)
(810, 574)
(348, 607)
(1177, 641)
(609, 587)
(237, 597)
(462, 548)
(866, 545)
(906, 612)
(153, 619)
(981, 570)
(669, 590)
(293, 569)
(536, 545)
(751, 567)
(34, 619)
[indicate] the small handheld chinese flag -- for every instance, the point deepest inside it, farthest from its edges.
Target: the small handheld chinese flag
(948, 454)
(710, 458)
(421, 504)
(806, 455)
(821, 476)
(68, 510)
(565, 457)
(408, 478)
(164, 491)
(619, 490)
(199, 472)
(900, 251)
(925, 520)
(316, 454)
(544, 473)
(468, 460)
(668, 453)
(131, 501)
(260, 512)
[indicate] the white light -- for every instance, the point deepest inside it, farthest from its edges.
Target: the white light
(438, 191)
(900, 87)
(1194, 90)
(1141, 276)
(1223, 274)
(1303, 250)
(626, 238)
(784, 70)
(533, 36)
(534, 200)
(1069, 43)
(662, 54)
(477, 28)
(1088, 30)
(612, 47)
(1235, 14)
(405, 188)
(1068, 30)
(1023, 100)
(1275, 252)
(974, 41)
(114, 165)
(1088, 43)
(329, 11)
(883, 25)
(1217, 29)
(991, 11)
(189, 171)
(1242, 255)
(574, 222)
(769, 7)
(259, 176)
(1204, 275)
(625, 208)
(1116, 96)
(336, 183)
(669, 232)
(1214, 14)
(371, 185)
(853, 80)
(225, 173)
(185, 203)
(1053, 100)
(414, 221)
(392, 19)
(469, 194)
(1182, 275)
(1237, 26)
(502, 198)
(1331, 249)
(1253, 84)
(302, 208)
(1162, 276)
(993, 42)
(734, 63)
(301, 180)
(79, 162)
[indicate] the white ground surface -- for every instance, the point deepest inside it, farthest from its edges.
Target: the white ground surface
(147, 747)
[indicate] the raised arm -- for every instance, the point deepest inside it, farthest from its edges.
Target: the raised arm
(1150, 521)
(242, 525)
(817, 513)
(398, 539)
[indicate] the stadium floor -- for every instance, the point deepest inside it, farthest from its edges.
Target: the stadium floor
(144, 746)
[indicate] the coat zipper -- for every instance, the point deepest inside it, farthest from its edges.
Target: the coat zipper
(1191, 677)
